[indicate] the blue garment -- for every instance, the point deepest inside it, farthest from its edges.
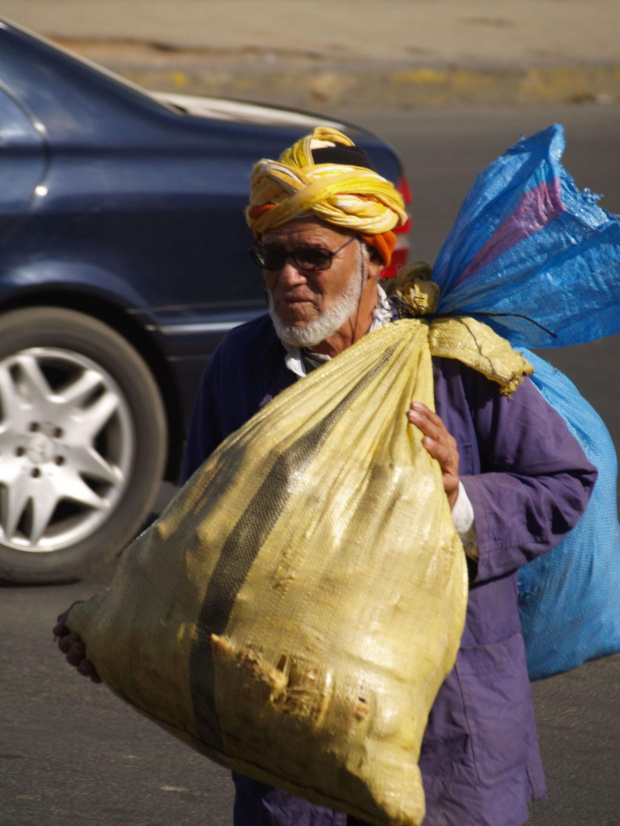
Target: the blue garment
(528, 481)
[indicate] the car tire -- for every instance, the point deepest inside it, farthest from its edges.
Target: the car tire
(83, 444)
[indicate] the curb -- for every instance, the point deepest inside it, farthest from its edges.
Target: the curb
(395, 87)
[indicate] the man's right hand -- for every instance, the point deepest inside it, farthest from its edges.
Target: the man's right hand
(72, 646)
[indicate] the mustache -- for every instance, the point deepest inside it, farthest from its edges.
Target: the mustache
(295, 294)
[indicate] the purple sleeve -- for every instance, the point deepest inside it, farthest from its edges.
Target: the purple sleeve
(534, 484)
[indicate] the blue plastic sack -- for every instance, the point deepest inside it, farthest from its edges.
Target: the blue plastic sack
(539, 261)
(569, 598)
(527, 241)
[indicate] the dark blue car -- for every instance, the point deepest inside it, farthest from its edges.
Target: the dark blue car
(123, 260)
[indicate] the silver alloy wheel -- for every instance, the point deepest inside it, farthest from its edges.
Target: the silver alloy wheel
(67, 445)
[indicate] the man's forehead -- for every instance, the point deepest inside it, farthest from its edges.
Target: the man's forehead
(306, 230)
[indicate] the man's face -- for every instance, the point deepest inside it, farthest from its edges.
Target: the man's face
(299, 297)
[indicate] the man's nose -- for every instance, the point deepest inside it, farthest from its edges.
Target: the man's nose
(290, 275)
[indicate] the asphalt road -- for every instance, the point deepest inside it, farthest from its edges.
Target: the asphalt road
(72, 753)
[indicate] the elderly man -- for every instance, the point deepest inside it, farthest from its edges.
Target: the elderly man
(515, 478)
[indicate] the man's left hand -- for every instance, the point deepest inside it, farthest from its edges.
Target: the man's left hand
(73, 647)
(440, 445)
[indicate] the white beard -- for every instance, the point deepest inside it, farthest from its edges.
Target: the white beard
(329, 322)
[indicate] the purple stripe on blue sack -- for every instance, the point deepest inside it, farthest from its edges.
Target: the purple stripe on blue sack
(537, 208)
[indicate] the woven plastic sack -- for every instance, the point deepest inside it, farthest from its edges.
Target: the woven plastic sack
(295, 610)
(528, 243)
(528, 249)
(568, 598)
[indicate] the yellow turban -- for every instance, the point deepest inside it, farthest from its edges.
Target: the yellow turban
(350, 197)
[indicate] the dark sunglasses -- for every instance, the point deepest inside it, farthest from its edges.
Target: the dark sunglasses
(310, 259)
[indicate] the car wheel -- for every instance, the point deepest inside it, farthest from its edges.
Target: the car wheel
(82, 444)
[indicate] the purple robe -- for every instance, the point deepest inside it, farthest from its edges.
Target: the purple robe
(529, 482)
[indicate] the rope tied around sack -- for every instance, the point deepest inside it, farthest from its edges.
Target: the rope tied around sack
(416, 295)
(458, 336)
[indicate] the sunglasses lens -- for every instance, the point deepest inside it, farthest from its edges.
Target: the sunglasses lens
(312, 259)
(306, 258)
(268, 258)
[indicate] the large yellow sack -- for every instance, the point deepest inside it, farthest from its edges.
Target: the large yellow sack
(295, 610)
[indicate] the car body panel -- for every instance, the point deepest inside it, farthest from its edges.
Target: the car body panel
(23, 161)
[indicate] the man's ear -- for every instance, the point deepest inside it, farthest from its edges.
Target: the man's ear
(375, 262)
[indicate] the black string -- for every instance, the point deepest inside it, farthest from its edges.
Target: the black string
(406, 310)
(508, 315)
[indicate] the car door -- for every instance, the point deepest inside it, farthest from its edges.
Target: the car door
(23, 162)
